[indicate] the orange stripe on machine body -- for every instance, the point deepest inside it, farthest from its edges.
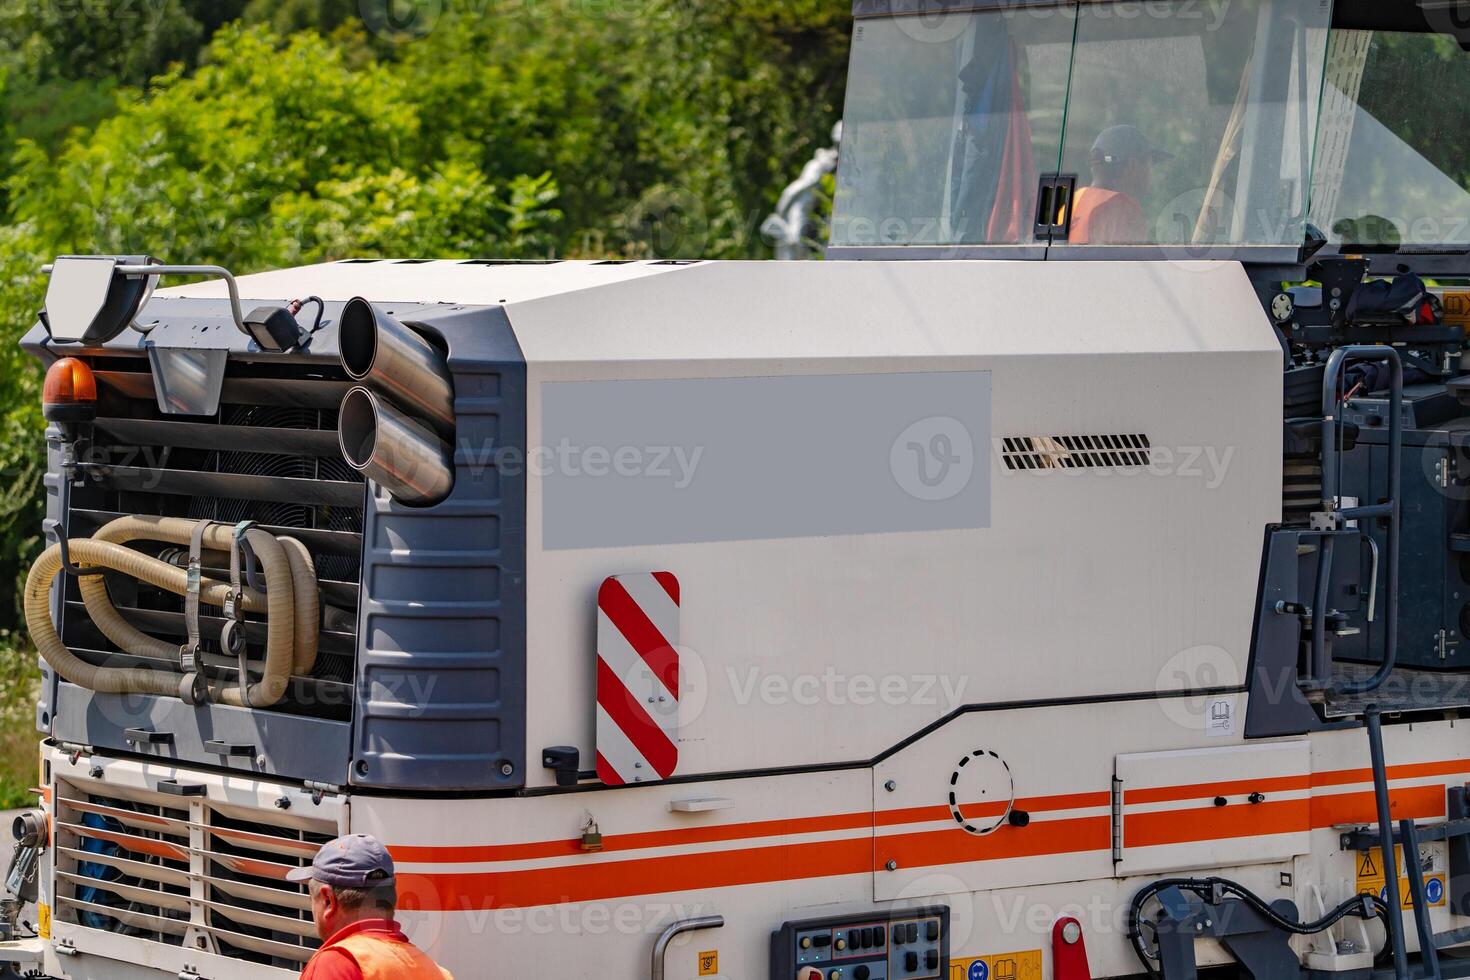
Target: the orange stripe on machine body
(1199, 825)
(1412, 770)
(1041, 838)
(1413, 802)
(459, 892)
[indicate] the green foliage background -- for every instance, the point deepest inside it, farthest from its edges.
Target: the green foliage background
(263, 133)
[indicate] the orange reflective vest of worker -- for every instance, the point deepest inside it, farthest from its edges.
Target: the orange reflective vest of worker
(373, 949)
(1104, 217)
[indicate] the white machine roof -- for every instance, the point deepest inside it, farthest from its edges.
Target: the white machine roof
(473, 282)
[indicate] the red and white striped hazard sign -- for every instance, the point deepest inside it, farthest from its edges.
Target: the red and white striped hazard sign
(637, 678)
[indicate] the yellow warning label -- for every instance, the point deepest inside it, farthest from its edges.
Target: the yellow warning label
(1456, 306)
(1370, 880)
(1025, 965)
(709, 963)
(43, 920)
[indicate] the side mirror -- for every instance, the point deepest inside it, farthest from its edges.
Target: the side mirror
(89, 301)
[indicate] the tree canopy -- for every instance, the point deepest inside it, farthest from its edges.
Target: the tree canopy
(260, 134)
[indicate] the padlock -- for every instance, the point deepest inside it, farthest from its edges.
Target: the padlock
(591, 836)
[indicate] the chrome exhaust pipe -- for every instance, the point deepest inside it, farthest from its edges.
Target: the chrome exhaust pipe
(396, 361)
(402, 455)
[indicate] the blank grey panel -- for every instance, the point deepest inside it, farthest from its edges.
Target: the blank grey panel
(640, 462)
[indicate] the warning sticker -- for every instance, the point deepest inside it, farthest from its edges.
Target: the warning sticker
(709, 963)
(1002, 966)
(1370, 879)
(43, 920)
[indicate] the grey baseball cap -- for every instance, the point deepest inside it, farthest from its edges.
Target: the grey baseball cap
(353, 861)
(1124, 144)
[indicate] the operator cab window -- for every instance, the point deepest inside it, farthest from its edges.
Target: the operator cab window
(1178, 124)
(1391, 169)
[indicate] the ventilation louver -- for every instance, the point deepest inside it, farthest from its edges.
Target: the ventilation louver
(1033, 453)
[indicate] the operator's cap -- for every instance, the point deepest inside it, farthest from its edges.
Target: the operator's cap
(1124, 144)
(354, 861)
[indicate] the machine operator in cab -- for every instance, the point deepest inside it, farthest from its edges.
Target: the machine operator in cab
(1107, 211)
(353, 898)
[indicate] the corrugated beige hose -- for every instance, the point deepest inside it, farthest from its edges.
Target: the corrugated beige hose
(178, 530)
(291, 605)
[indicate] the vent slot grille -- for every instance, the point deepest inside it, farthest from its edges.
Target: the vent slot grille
(167, 870)
(1040, 453)
(270, 455)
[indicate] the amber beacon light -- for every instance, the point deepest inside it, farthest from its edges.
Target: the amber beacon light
(70, 392)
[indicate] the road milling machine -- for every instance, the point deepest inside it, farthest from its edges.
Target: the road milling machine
(1067, 579)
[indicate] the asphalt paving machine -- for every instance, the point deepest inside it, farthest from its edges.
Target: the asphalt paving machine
(1069, 578)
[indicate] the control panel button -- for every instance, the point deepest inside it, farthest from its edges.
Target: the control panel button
(841, 943)
(910, 961)
(860, 972)
(931, 960)
(879, 935)
(898, 931)
(806, 942)
(931, 931)
(822, 940)
(912, 932)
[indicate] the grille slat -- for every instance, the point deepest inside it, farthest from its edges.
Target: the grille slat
(279, 392)
(233, 486)
(135, 919)
(343, 543)
(240, 438)
(173, 624)
(136, 869)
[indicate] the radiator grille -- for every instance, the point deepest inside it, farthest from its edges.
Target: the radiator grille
(186, 871)
(270, 455)
(1033, 453)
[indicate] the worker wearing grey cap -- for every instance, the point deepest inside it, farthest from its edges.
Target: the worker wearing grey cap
(1108, 212)
(353, 897)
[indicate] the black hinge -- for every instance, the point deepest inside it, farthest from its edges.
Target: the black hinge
(1054, 196)
(142, 736)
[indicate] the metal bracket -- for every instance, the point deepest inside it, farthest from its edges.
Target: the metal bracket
(1261, 949)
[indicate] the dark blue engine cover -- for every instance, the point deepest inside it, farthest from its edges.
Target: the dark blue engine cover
(441, 666)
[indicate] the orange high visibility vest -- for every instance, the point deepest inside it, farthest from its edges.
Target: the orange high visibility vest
(382, 957)
(1117, 217)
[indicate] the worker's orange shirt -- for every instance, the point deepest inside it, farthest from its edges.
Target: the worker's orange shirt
(373, 949)
(1104, 217)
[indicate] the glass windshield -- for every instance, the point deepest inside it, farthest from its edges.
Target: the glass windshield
(949, 122)
(1192, 124)
(1391, 162)
(1181, 122)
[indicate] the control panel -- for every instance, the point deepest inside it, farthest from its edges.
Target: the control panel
(903, 944)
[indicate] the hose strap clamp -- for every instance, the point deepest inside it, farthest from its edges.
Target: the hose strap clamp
(233, 636)
(189, 653)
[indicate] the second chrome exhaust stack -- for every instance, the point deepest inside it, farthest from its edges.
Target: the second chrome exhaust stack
(398, 453)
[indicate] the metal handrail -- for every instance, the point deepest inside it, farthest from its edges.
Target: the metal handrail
(675, 929)
(1319, 666)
